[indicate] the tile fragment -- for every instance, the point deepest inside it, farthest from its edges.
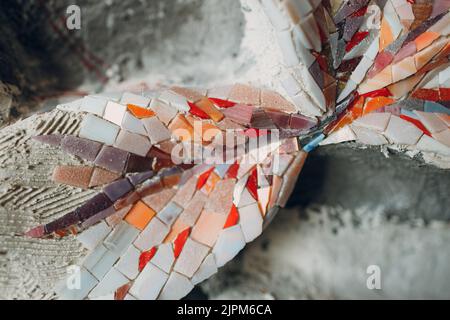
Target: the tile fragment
(156, 130)
(91, 237)
(191, 257)
(140, 215)
(149, 283)
(114, 112)
(112, 159)
(96, 129)
(121, 237)
(229, 243)
(206, 270)
(152, 235)
(177, 287)
(208, 227)
(101, 176)
(77, 176)
(133, 143)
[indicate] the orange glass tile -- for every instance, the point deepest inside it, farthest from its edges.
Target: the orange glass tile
(425, 39)
(140, 215)
(205, 129)
(341, 122)
(386, 36)
(140, 112)
(208, 107)
(377, 103)
(181, 128)
(357, 108)
(210, 183)
(196, 111)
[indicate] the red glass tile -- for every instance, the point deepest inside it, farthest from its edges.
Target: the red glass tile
(203, 178)
(145, 257)
(359, 13)
(196, 111)
(444, 94)
(356, 39)
(382, 60)
(384, 92)
(232, 171)
(252, 184)
(254, 132)
(321, 60)
(222, 103)
(233, 217)
(417, 123)
(179, 241)
(426, 94)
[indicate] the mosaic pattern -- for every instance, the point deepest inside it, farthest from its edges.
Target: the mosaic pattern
(165, 219)
(156, 228)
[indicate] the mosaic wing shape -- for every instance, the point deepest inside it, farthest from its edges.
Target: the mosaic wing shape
(166, 216)
(399, 90)
(372, 71)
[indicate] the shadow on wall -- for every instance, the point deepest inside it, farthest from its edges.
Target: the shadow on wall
(343, 175)
(118, 40)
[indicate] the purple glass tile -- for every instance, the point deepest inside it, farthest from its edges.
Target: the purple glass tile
(348, 8)
(349, 65)
(241, 114)
(300, 122)
(421, 28)
(112, 159)
(97, 217)
(280, 119)
(51, 139)
(261, 120)
(93, 206)
(62, 222)
(140, 177)
(290, 133)
(405, 52)
(138, 164)
(352, 24)
(316, 73)
(83, 148)
(117, 189)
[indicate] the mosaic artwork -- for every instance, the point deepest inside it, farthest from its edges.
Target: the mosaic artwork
(187, 176)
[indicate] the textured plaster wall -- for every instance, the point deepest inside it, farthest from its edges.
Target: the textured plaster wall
(351, 208)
